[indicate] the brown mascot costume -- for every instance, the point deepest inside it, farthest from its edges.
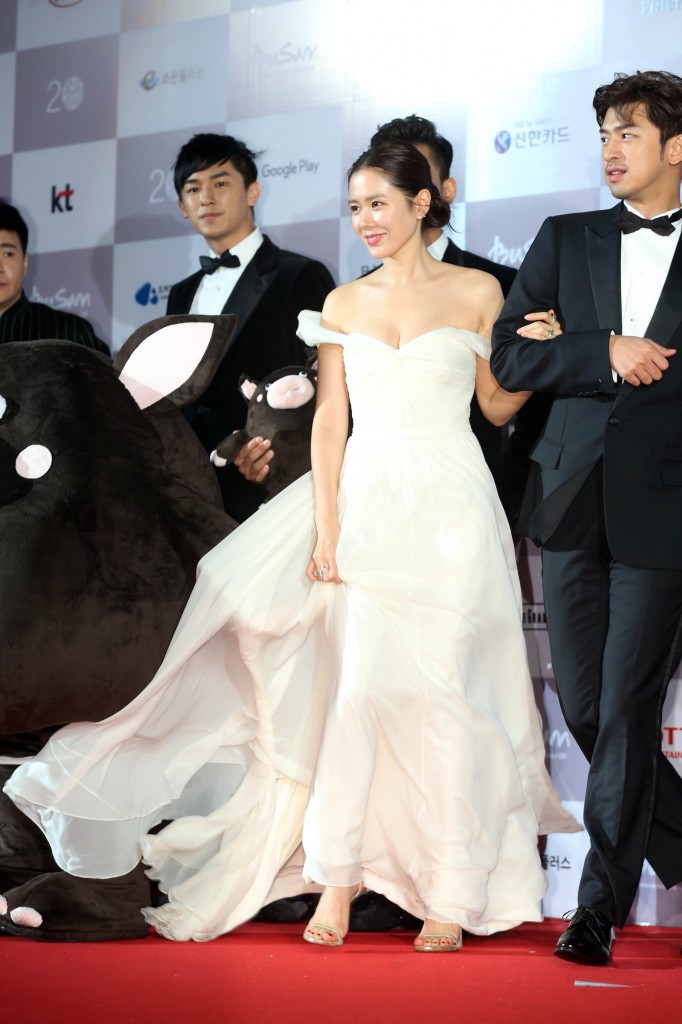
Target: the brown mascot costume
(107, 503)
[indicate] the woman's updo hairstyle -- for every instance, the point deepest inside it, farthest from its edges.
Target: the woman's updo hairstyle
(407, 170)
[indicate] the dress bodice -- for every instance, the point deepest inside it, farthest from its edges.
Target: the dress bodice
(421, 389)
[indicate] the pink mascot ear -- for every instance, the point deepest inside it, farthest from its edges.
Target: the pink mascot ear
(248, 387)
(169, 362)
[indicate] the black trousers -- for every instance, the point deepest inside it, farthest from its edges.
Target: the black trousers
(616, 639)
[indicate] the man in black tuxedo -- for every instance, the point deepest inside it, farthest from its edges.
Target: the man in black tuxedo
(267, 287)
(506, 457)
(608, 509)
(20, 319)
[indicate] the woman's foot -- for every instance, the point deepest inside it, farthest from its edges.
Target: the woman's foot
(436, 937)
(330, 923)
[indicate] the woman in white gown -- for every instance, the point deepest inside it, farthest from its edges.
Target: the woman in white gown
(375, 711)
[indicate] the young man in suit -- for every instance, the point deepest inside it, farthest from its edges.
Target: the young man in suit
(21, 320)
(267, 287)
(608, 513)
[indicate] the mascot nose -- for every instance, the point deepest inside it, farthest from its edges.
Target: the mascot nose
(290, 392)
(33, 462)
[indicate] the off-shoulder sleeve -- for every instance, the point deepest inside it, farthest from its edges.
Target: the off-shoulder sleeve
(478, 343)
(312, 333)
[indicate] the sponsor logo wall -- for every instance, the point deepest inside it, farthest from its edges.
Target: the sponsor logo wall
(98, 97)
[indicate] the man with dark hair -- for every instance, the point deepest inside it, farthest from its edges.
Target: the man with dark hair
(509, 467)
(21, 320)
(608, 509)
(267, 287)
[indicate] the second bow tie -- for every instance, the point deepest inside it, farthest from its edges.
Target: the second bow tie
(209, 264)
(629, 221)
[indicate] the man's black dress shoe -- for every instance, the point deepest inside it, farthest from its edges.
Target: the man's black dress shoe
(371, 912)
(588, 938)
(289, 910)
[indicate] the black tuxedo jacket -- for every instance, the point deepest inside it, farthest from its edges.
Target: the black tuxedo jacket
(274, 288)
(573, 266)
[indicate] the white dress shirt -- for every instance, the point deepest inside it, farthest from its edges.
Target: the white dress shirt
(437, 248)
(645, 259)
(215, 289)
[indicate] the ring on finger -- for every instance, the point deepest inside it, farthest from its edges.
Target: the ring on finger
(549, 333)
(553, 320)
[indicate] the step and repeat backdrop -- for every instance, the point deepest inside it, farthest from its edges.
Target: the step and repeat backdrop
(98, 96)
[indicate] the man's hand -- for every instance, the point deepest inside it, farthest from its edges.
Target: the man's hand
(252, 459)
(638, 360)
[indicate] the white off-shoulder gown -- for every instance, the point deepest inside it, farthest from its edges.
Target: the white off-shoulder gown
(385, 725)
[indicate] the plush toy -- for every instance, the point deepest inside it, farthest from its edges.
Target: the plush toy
(107, 502)
(280, 408)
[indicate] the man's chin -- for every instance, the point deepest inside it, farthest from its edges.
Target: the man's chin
(618, 189)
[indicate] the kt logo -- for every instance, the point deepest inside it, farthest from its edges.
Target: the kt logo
(61, 197)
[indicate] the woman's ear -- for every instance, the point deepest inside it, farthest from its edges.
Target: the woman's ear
(422, 202)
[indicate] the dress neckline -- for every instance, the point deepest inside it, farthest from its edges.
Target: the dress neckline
(399, 348)
(312, 331)
(417, 337)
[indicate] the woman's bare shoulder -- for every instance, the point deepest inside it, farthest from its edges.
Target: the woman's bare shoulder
(341, 303)
(473, 278)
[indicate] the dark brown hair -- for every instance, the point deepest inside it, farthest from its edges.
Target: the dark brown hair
(416, 129)
(659, 92)
(407, 170)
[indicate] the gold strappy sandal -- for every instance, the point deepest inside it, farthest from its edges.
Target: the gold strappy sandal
(317, 939)
(432, 942)
(318, 926)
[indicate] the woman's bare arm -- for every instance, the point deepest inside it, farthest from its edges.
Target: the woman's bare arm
(497, 405)
(328, 443)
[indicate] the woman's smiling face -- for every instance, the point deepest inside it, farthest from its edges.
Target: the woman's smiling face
(382, 215)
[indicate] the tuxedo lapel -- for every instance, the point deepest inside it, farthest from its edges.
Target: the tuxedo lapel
(602, 243)
(252, 285)
(603, 256)
(453, 254)
(184, 292)
(668, 312)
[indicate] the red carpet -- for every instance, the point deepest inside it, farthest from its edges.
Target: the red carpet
(266, 973)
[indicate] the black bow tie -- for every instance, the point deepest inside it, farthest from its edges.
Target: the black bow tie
(629, 221)
(209, 264)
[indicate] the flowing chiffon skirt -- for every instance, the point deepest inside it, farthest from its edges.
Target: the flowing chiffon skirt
(388, 722)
